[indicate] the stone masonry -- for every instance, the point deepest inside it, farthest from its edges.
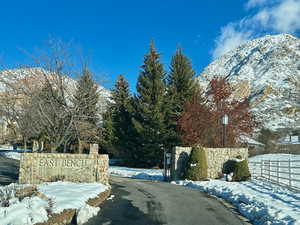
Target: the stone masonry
(36, 168)
(94, 149)
(216, 157)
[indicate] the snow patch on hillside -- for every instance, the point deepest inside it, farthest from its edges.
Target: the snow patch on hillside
(268, 66)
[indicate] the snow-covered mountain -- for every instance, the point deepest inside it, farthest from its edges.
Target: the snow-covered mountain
(268, 70)
(32, 77)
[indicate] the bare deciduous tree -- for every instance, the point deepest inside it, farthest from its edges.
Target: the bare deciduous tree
(40, 99)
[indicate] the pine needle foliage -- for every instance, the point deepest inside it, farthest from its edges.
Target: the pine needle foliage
(197, 165)
(241, 171)
(86, 98)
(117, 120)
(181, 87)
(149, 118)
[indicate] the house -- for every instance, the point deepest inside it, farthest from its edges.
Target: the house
(254, 147)
(289, 144)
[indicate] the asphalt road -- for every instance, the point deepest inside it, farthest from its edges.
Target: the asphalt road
(9, 170)
(140, 202)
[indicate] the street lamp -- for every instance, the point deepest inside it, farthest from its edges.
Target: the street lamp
(224, 122)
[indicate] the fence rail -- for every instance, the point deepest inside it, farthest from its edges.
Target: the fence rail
(281, 172)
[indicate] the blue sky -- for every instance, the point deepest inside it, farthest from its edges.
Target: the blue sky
(115, 35)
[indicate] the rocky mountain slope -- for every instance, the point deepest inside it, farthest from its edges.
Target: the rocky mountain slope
(33, 77)
(268, 70)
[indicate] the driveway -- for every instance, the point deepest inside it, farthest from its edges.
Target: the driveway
(9, 170)
(140, 202)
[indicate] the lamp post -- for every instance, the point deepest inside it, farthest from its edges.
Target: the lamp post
(224, 122)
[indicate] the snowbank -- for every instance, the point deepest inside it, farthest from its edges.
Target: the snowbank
(68, 195)
(281, 160)
(26, 211)
(260, 202)
(147, 174)
(258, 158)
(86, 212)
(12, 154)
(59, 196)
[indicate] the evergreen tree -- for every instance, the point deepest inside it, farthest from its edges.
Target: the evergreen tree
(121, 116)
(85, 103)
(119, 132)
(197, 165)
(181, 83)
(86, 98)
(149, 119)
(181, 88)
(109, 138)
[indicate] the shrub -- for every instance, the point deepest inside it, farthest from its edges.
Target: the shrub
(229, 166)
(238, 157)
(241, 171)
(197, 165)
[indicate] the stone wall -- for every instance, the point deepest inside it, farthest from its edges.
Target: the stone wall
(216, 157)
(36, 168)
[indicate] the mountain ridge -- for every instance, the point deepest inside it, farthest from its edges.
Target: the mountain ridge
(267, 70)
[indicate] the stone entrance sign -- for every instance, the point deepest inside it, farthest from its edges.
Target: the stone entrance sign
(94, 148)
(36, 168)
(216, 157)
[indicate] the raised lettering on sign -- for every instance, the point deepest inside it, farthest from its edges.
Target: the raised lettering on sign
(64, 163)
(36, 168)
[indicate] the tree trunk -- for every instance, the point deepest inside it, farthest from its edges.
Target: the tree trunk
(53, 148)
(25, 143)
(80, 147)
(41, 146)
(65, 147)
(35, 146)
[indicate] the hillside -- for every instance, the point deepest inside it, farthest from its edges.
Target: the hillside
(33, 77)
(267, 70)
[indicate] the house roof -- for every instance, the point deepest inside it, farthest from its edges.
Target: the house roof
(250, 141)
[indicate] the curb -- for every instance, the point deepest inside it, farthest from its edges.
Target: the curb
(69, 215)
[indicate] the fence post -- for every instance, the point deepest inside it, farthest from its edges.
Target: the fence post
(269, 169)
(278, 163)
(290, 174)
(261, 168)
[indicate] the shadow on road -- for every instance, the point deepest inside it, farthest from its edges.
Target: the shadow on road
(120, 211)
(9, 170)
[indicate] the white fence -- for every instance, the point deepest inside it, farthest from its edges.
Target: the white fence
(281, 172)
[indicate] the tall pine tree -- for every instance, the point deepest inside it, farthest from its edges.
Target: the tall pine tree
(181, 88)
(120, 136)
(149, 118)
(85, 102)
(86, 98)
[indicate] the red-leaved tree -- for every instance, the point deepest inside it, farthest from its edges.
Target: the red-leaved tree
(200, 123)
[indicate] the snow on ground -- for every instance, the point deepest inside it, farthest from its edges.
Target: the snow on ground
(147, 174)
(68, 195)
(257, 158)
(26, 211)
(263, 203)
(281, 160)
(12, 154)
(260, 202)
(85, 213)
(60, 196)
